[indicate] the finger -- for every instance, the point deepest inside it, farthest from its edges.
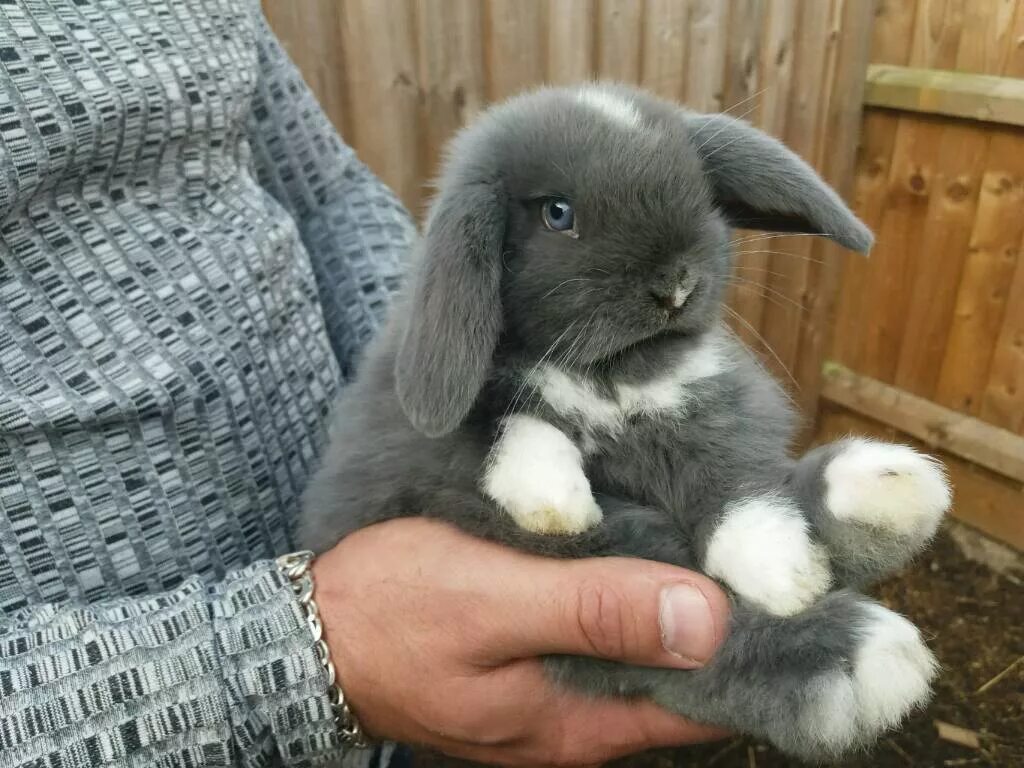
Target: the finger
(628, 610)
(567, 728)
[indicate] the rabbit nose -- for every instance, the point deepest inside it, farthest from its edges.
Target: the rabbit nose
(672, 298)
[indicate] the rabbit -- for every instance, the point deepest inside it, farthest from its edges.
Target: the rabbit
(558, 377)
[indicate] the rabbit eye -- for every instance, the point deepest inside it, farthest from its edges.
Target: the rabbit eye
(559, 216)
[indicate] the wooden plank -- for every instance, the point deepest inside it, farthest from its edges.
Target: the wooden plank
(706, 49)
(451, 72)
(965, 436)
(515, 46)
(383, 95)
(982, 499)
(892, 42)
(871, 180)
(753, 250)
(663, 53)
(988, 98)
(570, 43)
(619, 37)
(897, 258)
(840, 128)
(743, 99)
(1002, 401)
(946, 237)
(1004, 394)
(942, 244)
(790, 261)
(983, 293)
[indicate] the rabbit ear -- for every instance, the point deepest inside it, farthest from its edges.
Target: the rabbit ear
(760, 184)
(454, 316)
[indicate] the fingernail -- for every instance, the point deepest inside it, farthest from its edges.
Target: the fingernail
(687, 626)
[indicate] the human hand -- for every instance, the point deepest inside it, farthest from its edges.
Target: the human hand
(436, 634)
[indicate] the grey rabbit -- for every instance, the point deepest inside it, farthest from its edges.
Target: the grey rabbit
(558, 377)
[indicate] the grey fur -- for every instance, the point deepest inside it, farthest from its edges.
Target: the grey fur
(495, 292)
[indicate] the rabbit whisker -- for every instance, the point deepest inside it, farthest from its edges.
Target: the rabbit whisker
(742, 320)
(771, 236)
(566, 282)
(744, 101)
(735, 119)
(767, 293)
(730, 142)
(514, 403)
(803, 256)
(760, 270)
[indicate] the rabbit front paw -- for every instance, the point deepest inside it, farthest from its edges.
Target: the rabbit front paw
(889, 676)
(763, 551)
(536, 474)
(890, 487)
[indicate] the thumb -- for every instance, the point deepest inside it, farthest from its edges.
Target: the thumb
(629, 610)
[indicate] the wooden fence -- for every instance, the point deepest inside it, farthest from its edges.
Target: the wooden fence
(925, 338)
(929, 332)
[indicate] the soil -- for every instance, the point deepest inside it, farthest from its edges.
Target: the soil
(967, 596)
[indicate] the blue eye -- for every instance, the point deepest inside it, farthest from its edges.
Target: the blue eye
(559, 216)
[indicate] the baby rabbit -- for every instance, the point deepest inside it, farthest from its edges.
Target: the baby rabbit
(559, 378)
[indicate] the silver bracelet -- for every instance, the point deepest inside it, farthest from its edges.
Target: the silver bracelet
(296, 568)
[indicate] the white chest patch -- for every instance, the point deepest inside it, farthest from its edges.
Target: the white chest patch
(576, 397)
(613, 107)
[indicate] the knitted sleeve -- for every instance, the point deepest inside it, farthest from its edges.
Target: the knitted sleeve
(204, 675)
(355, 229)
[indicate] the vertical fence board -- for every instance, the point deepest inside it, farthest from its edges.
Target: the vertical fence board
(939, 257)
(841, 127)
(983, 292)
(892, 35)
(706, 48)
(1004, 395)
(619, 37)
(570, 40)
(664, 55)
(754, 251)
(383, 94)
(514, 46)
(789, 262)
(451, 72)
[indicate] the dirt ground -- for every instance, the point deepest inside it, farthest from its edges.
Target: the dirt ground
(967, 595)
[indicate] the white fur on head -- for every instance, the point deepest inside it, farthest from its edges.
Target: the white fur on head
(889, 486)
(612, 106)
(763, 551)
(535, 473)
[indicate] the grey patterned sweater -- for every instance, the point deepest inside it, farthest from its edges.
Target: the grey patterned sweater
(189, 261)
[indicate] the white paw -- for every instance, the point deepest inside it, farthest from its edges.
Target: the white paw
(536, 474)
(891, 676)
(889, 486)
(893, 670)
(573, 513)
(763, 551)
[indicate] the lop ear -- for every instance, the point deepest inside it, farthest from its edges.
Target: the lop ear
(454, 311)
(761, 184)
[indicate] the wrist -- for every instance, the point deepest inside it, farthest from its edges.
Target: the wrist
(299, 568)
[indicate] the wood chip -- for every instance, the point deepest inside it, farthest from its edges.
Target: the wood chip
(999, 677)
(957, 735)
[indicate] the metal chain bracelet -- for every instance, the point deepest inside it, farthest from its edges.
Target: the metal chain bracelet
(296, 567)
